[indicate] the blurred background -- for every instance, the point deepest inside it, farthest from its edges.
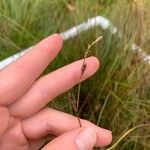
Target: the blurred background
(117, 97)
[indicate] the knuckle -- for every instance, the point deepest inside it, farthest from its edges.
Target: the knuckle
(5, 87)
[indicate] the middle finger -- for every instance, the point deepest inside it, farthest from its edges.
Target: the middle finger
(50, 86)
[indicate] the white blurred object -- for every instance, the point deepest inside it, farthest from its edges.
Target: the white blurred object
(100, 21)
(90, 23)
(143, 55)
(12, 58)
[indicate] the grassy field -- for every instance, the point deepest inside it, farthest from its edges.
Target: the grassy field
(117, 97)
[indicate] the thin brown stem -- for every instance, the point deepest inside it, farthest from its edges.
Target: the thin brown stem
(75, 103)
(79, 120)
(78, 97)
(74, 107)
(84, 66)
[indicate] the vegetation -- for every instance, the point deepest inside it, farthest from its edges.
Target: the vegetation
(117, 97)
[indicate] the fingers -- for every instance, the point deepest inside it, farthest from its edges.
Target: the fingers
(49, 121)
(78, 139)
(52, 85)
(20, 75)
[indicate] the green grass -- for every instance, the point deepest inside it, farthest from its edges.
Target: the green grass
(117, 97)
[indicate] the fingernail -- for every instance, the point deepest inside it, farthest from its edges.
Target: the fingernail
(86, 139)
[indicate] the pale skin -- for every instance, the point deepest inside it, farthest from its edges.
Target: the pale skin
(25, 120)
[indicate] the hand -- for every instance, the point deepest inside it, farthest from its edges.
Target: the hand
(25, 121)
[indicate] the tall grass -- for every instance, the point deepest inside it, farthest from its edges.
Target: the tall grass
(117, 97)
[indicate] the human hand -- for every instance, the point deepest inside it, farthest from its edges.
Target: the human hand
(25, 122)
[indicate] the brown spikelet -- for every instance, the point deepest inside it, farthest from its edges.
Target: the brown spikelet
(75, 102)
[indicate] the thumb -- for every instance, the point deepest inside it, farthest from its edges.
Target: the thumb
(78, 139)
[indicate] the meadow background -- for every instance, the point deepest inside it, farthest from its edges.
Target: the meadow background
(117, 97)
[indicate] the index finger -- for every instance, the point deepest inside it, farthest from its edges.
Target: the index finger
(17, 78)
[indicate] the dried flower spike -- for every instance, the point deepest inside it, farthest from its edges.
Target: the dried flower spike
(75, 103)
(84, 65)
